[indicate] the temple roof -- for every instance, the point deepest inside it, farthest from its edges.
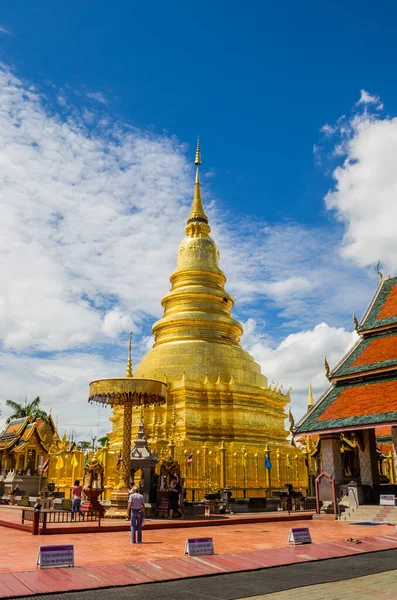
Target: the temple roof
(11, 433)
(378, 352)
(353, 406)
(382, 311)
(364, 382)
(19, 431)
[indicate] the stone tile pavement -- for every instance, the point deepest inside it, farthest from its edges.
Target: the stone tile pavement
(381, 586)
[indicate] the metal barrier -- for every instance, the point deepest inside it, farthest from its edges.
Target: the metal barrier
(42, 518)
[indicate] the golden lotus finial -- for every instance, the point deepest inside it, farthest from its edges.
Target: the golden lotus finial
(128, 371)
(197, 161)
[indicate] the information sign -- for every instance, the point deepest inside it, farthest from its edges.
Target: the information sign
(199, 546)
(387, 500)
(299, 535)
(56, 556)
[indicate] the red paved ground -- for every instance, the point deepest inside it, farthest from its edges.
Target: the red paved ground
(107, 559)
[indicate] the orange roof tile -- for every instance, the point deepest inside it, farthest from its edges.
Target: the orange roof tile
(378, 350)
(384, 430)
(385, 448)
(389, 308)
(374, 398)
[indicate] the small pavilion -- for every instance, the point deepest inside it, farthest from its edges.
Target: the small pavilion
(361, 401)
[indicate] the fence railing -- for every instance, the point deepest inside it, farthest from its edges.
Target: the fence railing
(40, 519)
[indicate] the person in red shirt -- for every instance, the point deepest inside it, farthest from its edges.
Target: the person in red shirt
(76, 502)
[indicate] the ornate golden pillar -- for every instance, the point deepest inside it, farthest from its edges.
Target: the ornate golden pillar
(222, 454)
(268, 471)
(278, 462)
(126, 451)
(390, 459)
(205, 461)
(296, 457)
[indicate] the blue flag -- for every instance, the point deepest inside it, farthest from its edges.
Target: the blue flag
(268, 464)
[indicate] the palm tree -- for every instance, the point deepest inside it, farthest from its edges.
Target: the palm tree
(31, 409)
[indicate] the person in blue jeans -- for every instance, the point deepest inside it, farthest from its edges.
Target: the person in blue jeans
(76, 502)
(136, 504)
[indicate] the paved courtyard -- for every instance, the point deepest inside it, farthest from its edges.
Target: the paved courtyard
(115, 548)
(245, 550)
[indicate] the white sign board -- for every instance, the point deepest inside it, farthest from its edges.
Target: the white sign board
(387, 500)
(56, 556)
(299, 535)
(199, 546)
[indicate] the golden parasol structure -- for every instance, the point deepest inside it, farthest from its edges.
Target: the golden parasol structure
(128, 392)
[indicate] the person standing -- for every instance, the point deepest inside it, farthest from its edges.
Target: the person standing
(136, 503)
(175, 490)
(76, 502)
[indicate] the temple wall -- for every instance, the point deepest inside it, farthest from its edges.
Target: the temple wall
(244, 470)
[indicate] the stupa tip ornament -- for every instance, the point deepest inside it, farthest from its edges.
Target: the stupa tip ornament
(197, 221)
(128, 371)
(197, 161)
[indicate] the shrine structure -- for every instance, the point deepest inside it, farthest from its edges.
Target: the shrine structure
(218, 401)
(361, 403)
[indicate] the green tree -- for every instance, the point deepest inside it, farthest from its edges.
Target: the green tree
(28, 409)
(104, 441)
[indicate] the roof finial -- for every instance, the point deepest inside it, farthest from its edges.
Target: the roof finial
(377, 270)
(197, 162)
(355, 321)
(197, 218)
(327, 369)
(128, 371)
(310, 400)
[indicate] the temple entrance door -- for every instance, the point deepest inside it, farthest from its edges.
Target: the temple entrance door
(31, 461)
(326, 492)
(138, 479)
(21, 461)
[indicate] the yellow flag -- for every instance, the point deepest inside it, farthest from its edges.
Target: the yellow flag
(75, 462)
(59, 463)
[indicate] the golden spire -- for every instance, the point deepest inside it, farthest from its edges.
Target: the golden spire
(128, 371)
(310, 401)
(197, 214)
(197, 162)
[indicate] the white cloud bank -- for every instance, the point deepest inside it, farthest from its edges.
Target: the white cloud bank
(365, 192)
(91, 215)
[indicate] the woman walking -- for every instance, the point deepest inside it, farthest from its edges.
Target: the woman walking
(136, 503)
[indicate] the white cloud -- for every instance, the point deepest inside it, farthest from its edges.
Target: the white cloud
(98, 96)
(4, 30)
(365, 192)
(299, 358)
(367, 98)
(62, 383)
(116, 322)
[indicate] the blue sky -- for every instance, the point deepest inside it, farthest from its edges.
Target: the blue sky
(123, 89)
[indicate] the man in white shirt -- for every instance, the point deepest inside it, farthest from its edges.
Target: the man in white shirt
(136, 504)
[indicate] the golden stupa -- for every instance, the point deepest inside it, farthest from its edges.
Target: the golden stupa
(216, 392)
